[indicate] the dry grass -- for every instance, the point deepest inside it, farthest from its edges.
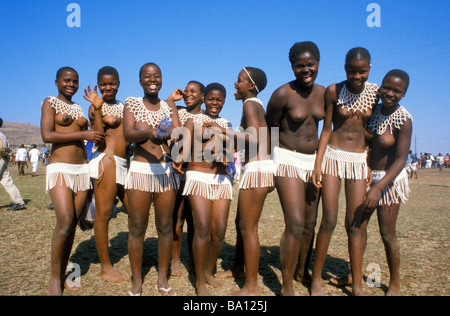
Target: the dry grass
(422, 227)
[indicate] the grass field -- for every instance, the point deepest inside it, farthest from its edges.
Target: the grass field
(423, 229)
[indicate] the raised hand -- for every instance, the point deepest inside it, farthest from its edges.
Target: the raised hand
(93, 97)
(176, 95)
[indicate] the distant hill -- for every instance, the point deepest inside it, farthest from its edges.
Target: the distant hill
(22, 133)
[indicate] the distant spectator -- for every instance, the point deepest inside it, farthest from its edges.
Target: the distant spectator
(446, 160)
(5, 177)
(34, 159)
(21, 158)
(440, 161)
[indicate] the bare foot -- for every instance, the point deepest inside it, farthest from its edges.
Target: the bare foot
(287, 290)
(212, 281)
(393, 291)
(233, 273)
(54, 288)
(304, 279)
(344, 281)
(202, 290)
(71, 288)
(114, 275)
(317, 288)
(175, 268)
(246, 292)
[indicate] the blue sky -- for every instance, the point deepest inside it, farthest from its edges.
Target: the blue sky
(211, 40)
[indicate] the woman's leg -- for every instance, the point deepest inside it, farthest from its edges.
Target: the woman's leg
(250, 206)
(138, 210)
(291, 192)
(356, 221)
(330, 203)
(387, 221)
(219, 220)
(164, 204)
(178, 223)
(311, 203)
(68, 207)
(105, 191)
(201, 214)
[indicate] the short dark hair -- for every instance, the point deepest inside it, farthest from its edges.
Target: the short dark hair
(258, 76)
(62, 70)
(216, 86)
(145, 65)
(302, 47)
(1, 122)
(107, 70)
(200, 85)
(399, 74)
(357, 53)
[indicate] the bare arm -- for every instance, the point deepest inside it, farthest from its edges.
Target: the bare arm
(275, 108)
(401, 154)
(95, 110)
(49, 135)
(330, 99)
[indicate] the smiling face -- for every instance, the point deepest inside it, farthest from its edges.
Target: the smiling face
(151, 79)
(243, 86)
(357, 74)
(109, 86)
(305, 69)
(192, 95)
(392, 90)
(67, 83)
(214, 101)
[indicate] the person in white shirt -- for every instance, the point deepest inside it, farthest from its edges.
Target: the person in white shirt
(5, 176)
(21, 158)
(34, 155)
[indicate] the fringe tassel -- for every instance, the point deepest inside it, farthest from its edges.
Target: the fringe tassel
(76, 182)
(257, 179)
(395, 193)
(346, 165)
(151, 182)
(294, 172)
(209, 191)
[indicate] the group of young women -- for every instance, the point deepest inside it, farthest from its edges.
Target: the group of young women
(364, 142)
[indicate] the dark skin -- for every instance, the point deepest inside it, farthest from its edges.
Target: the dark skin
(148, 150)
(250, 201)
(193, 98)
(388, 152)
(347, 134)
(297, 108)
(67, 136)
(105, 188)
(209, 216)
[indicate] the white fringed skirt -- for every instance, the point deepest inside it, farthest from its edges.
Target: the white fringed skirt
(398, 191)
(293, 164)
(96, 161)
(74, 176)
(344, 164)
(208, 185)
(151, 177)
(258, 174)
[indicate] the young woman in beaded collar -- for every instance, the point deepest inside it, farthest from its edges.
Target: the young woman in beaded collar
(257, 179)
(150, 177)
(296, 108)
(342, 155)
(193, 96)
(208, 188)
(389, 135)
(64, 125)
(108, 165)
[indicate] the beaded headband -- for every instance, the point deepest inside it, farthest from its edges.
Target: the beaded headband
(251, 79)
